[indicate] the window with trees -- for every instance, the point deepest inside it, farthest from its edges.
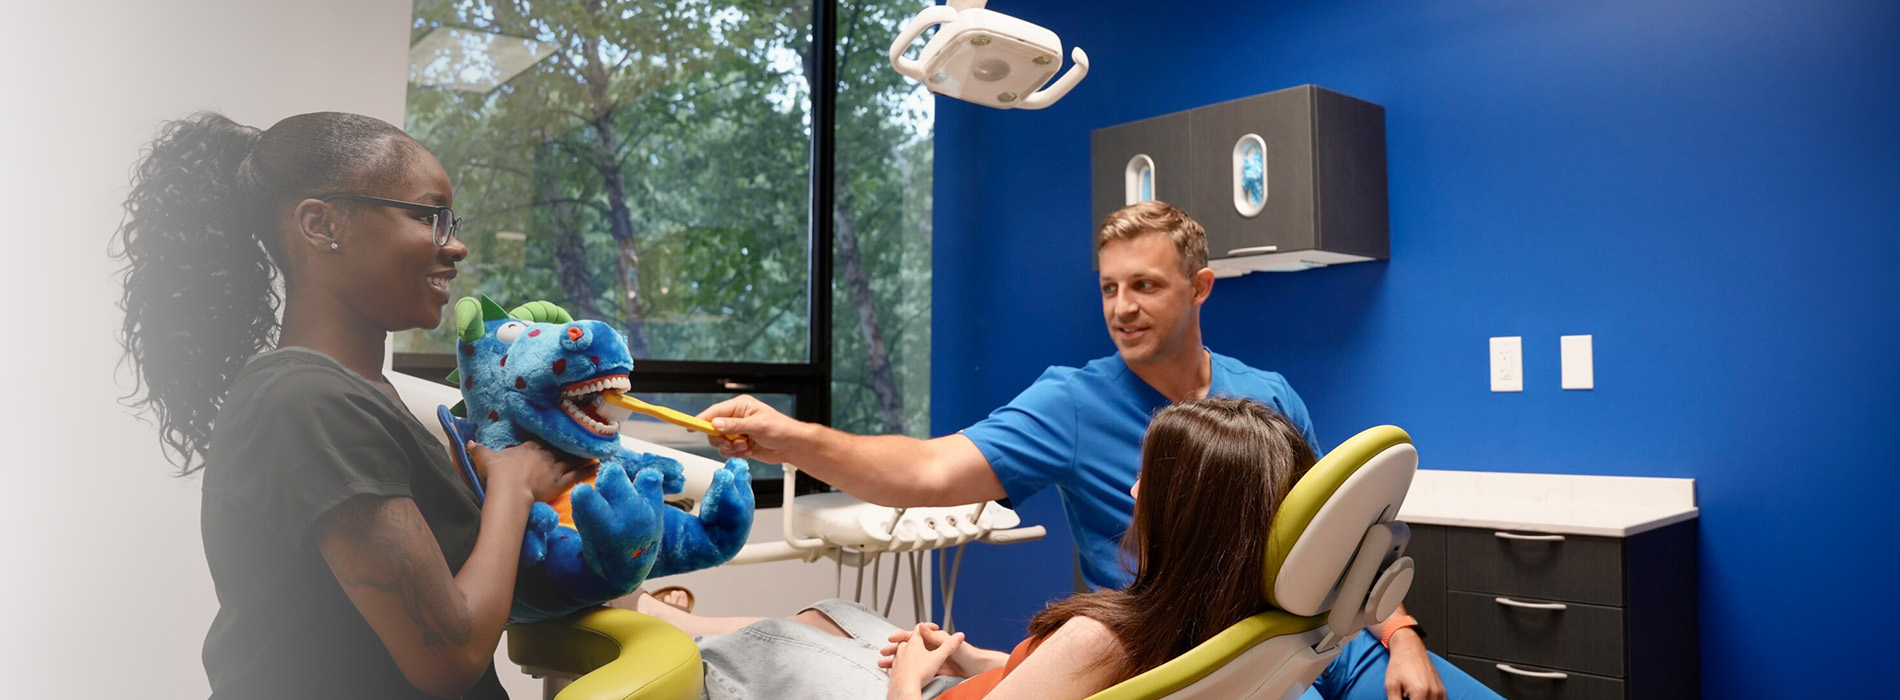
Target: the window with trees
(744, 188)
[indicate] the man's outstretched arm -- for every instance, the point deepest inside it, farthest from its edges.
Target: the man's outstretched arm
(889, 470)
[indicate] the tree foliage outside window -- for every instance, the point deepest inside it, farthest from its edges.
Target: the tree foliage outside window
(652, 168)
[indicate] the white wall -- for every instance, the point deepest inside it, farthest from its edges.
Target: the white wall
(104, 577)
(103, 574)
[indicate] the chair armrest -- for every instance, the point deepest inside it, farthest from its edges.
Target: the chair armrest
(618, 654)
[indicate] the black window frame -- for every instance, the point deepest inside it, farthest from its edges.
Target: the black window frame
(809, 383)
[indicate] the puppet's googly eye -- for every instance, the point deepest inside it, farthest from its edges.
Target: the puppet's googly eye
(509, 331)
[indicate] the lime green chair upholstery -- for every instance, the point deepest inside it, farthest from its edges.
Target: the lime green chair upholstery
(1334, 564)
(609, 654)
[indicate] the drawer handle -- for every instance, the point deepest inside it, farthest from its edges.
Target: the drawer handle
(1534, 606)
(1515, 671)
(1528, 538)
(1253, 250)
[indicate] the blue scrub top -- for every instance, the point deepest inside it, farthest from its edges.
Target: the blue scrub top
(1080, 431)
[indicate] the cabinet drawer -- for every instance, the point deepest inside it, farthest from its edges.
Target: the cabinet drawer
(1573, 637)
(1572, 686)
(1547, 567)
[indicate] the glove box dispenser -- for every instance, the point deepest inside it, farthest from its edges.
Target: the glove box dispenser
(1288, 180)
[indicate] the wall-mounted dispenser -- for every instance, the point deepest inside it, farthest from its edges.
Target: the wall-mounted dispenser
(1290, 180)
(1250, 175)
(1138, 183)
(1150, 161)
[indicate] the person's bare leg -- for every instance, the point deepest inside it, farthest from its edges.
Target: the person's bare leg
(695, 625)
(700, 626)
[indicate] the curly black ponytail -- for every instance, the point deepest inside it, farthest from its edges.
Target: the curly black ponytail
(200, 284)
(203, 252)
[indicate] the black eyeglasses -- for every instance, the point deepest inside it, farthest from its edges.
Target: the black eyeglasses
(443, 219)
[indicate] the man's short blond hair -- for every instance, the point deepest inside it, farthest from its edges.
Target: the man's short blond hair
(1154, 216)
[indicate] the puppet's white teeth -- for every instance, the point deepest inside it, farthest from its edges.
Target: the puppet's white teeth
(574, 411)
(617, 382)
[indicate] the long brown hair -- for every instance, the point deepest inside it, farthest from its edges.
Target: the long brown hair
(1213, 473)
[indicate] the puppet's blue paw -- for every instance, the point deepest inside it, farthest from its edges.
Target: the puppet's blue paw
(620, 523)
(672, 472)
(727, 511)
(534, 540)
(717, 533)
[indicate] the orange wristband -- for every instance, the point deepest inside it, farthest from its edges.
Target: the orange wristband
(1393, 625)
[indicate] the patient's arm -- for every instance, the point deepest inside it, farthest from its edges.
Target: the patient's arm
(888, 470)
(1075, 662)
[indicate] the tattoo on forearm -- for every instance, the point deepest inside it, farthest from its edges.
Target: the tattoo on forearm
(386, 552)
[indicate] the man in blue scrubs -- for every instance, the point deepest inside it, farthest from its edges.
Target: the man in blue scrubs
(1080, 430)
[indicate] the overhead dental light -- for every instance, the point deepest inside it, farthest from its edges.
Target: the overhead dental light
(987, 57)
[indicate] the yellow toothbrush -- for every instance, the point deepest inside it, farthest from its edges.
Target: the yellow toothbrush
(661, 412)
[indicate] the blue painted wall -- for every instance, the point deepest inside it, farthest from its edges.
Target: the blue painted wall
(1708, 188)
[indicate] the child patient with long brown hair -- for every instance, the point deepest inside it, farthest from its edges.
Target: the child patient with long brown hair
(1213, 473)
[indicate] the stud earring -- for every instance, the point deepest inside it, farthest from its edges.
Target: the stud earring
(332, 245)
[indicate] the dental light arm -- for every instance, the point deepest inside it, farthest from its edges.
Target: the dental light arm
(1048, 96)
(986, 57)
(930, 17)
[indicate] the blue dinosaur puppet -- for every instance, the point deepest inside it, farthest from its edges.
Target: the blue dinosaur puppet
(537, 374)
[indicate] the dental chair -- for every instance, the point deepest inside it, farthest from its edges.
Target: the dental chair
(610, 654)
(1335, 565)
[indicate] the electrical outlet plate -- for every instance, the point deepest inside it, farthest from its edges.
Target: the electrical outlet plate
(1507, 364)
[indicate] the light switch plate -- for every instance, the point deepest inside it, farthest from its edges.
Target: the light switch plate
(1507, 364)
(1579, 362)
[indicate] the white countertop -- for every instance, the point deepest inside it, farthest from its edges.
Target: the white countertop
(1607, 506)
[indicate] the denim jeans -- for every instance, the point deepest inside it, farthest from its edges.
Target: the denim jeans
(784, 659)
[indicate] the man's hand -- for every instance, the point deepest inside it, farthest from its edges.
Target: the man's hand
(759, 431)
(1409, 672)
(888, 470)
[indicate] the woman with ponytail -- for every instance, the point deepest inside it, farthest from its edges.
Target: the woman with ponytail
(264, 272)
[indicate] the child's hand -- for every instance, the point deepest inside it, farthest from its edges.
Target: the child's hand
(914, 662)
(964, 662)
